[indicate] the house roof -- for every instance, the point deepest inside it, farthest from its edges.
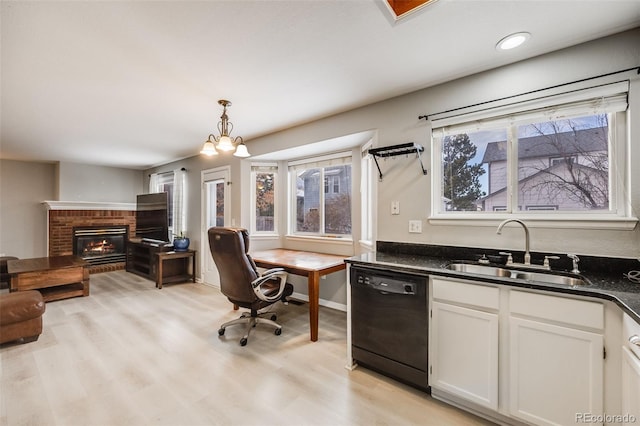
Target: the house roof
(589, 140)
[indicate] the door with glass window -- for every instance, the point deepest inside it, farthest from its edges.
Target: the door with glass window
(215, 202)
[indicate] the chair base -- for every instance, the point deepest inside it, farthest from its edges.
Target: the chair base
(252, 319)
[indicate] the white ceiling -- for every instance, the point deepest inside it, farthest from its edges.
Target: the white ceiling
(136, 83)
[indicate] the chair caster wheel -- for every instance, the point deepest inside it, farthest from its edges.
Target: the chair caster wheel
(221, 332)
(243, 342)
(278, 331)
(274, 317)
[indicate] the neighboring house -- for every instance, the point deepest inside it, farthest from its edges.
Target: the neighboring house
(564, 171)
(336, 187)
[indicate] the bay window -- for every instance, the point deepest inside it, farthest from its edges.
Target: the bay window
(320, 191)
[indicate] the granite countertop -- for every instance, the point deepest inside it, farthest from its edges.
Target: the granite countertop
(604, 283)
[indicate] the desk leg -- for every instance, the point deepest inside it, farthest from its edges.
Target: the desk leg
(314, 303)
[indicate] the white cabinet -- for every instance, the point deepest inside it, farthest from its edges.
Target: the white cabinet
(464, 341)
(555, 358)
(630, 369)
(510, 354)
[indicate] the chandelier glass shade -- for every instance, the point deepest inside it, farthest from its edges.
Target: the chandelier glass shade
(225, 142)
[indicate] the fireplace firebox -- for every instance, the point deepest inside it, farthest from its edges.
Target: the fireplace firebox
(99, 245)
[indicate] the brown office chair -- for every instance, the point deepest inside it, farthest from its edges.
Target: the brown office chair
(241, 282)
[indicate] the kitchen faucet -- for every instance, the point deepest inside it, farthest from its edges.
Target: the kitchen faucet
(527, 255)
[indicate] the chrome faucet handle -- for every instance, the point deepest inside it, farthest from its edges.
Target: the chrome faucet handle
(546, 261)
(509, 256)
(575, 260)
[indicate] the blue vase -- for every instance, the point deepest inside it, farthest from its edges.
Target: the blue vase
(180, 244)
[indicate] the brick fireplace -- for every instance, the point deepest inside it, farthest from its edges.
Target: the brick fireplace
(63, 217)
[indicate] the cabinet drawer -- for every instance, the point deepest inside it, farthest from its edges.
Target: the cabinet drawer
(466, 294)
(570, 311)
(52, 278)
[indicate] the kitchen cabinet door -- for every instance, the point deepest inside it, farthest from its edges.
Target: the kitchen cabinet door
(464, 355)
(556, 372)
(630, 384)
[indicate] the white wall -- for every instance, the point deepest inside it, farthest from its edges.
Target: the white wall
(82, 182)
(23, 227)
(396, 121)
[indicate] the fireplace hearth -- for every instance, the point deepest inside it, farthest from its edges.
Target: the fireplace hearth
(100, 245)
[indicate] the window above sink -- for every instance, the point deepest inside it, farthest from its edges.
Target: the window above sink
(553, 158)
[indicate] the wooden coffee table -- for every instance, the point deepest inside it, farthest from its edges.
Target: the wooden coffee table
(56, 277)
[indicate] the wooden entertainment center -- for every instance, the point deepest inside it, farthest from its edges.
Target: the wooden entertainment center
(160, 263)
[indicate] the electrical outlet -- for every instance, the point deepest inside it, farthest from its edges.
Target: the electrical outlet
(415, 226)
(395, 207)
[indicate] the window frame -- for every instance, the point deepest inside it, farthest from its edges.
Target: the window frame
(257, 168)
(508, 115)
(319, 162)
(177, 208)
(368, 190)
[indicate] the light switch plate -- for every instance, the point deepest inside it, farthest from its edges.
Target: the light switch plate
(415, 226)
(395, 207)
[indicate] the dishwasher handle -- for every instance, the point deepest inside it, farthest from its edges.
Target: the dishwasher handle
(392, 287)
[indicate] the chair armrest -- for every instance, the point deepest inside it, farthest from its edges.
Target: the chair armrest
(271, 271)
(276, 273)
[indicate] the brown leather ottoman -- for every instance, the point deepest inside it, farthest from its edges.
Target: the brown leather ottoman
(21, 316)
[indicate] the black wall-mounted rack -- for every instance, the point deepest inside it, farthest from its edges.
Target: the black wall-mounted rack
(395, 150)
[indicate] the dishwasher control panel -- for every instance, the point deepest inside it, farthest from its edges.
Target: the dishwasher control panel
(385, 283)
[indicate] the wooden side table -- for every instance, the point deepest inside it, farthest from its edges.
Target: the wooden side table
(176, 267)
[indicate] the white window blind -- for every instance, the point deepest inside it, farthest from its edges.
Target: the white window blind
(264, 167)
(179, 202)
(337, 159)
(606, 98)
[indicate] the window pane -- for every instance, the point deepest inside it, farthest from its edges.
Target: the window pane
(265, 201)
(168, 188)
(337, 202)
(215, 203)
(564, 164)
(464, 180)
(308, 200)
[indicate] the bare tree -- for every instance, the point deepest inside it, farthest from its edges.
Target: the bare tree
(575, 165)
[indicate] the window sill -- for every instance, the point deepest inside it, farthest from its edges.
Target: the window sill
(535, 221)
(321, 240)
(264, 236)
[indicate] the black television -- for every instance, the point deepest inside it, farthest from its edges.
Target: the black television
(152, 216)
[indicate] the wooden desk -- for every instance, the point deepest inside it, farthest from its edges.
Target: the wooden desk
(308, 264)
(176, 269)
(57, 277)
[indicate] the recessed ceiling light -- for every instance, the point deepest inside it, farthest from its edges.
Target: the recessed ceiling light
(512, 40)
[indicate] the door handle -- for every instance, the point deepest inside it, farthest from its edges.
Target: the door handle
(634, 340)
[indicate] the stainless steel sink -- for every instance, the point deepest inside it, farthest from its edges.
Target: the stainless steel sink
(479, 269)
(494, 271)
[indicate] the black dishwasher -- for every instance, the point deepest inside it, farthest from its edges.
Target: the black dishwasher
(389, 323)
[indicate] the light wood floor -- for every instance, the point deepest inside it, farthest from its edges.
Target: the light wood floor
(131, 354)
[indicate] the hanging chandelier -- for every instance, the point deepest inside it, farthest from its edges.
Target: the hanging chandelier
(224, 141)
